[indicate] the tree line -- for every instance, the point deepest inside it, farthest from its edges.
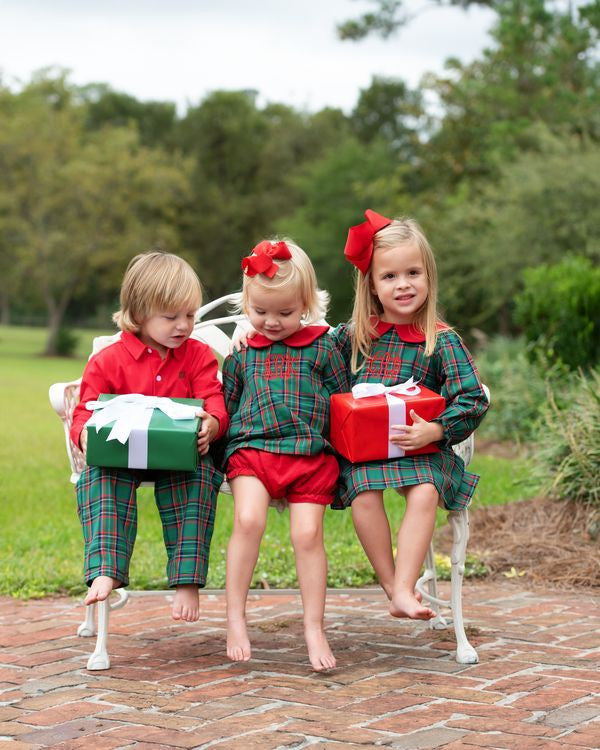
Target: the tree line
(503, 173)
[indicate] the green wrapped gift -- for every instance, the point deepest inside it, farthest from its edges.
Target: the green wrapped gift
(143, 432)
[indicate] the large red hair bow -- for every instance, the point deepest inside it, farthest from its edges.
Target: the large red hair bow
(359, 245)
(261, 258)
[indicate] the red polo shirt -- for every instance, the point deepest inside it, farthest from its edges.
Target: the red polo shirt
(129, 366)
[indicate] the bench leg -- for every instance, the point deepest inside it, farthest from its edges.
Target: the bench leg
(100, 658)
(459, 520)
(88, 627)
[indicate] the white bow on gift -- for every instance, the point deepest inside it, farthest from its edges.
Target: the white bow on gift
(131, 414)
(396, 404)
(407, 388)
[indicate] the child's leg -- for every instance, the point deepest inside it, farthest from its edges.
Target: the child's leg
(251, 502)
(107, 509)
(306, 530)
(373, 530)
(186, 502)
(414, 537)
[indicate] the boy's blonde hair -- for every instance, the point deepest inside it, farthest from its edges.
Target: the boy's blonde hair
(153, 282)
(296, 273)
(366, 305)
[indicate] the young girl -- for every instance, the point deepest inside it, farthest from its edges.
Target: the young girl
(277, 393)
(155, 357)
(396, 333)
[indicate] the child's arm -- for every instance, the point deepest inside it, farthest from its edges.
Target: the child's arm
(466, 402)
(341, 337)
(336, 377)
(93, 383)
(205, 384)
(232, 382)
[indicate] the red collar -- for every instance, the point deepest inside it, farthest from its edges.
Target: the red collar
(136, 347)
(303, 337)
(408, 332)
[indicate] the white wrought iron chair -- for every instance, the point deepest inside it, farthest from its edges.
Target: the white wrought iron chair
(64, 398)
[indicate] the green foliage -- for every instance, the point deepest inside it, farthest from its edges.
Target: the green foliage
(559, 312)
(542, 207)
(518, 387)
(66, 342)
(568, 456)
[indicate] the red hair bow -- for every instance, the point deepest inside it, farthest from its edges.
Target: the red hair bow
(261, 258)
(359, 245)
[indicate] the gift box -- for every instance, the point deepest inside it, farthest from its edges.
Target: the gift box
(361, 421)
(143, 432)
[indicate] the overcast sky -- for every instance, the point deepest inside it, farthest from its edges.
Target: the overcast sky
(179, 50)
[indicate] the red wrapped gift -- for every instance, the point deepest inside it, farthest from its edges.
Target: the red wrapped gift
(361, 420)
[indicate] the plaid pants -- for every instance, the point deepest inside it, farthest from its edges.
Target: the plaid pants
(107, 509)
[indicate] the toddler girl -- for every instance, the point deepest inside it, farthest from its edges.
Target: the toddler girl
(277, 393)
(396, 333)
(155, 357)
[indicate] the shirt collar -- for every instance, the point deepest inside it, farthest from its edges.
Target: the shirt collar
(303, 337)
(408, 332)
(136, 346)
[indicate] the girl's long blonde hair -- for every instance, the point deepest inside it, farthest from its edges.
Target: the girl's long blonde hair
(296, 273)
(367, 307)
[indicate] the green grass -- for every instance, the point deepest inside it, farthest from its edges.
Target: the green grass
(40, 536)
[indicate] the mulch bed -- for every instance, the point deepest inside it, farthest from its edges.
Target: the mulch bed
(554, 542)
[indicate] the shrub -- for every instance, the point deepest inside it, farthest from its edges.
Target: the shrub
(66, 342)
(568, 459)
(559, 312)
(518, 387)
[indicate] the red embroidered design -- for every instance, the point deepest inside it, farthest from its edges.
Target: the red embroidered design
(280, 366)
(383, 365)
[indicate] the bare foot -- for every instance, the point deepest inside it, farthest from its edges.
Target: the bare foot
(407, 604)
(319, 653)
(186, 605)
(238, 643)
(100, 589)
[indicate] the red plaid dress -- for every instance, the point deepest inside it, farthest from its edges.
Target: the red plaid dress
(277, 393)
(398, 353)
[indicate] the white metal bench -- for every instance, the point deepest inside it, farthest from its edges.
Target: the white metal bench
(65, 396)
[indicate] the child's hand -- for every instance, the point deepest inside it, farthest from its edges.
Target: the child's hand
(415, 436)
(240, 340)
(208, 431)
(83, 440)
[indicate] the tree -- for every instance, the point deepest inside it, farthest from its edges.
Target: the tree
(542, 207)
(391, 15)
(79, 203)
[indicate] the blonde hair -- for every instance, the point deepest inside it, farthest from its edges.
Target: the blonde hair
(366, 305)
(297, 274)
(153, 282)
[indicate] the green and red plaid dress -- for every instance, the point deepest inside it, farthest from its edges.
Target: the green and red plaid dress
(277, 393)
(398, 353)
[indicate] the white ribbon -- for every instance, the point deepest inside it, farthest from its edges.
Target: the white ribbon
(131, 414)
(407, 388)
(396, 406)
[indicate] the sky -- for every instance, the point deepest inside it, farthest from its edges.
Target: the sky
(180, 50)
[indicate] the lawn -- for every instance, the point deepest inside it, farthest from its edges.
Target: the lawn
(40, 537)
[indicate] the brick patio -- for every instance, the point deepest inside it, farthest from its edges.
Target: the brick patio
(397, 684)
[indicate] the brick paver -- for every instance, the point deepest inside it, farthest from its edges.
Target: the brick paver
(397, 684)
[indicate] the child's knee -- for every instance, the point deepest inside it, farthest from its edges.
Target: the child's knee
(306, 536)
(249, 524)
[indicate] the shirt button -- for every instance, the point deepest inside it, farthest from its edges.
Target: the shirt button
(149, 350)
(158, 377)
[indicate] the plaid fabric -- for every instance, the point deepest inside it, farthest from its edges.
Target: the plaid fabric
(107, 509)
(450, 371)
(278, 396)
